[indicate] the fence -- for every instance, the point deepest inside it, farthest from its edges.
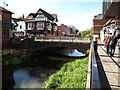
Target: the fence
(61, 38)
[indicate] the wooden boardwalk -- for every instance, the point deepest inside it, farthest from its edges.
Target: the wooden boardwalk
(111, 66)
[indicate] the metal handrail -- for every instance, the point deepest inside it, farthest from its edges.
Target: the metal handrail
(95, 81)
(62, 37)
(69, 39)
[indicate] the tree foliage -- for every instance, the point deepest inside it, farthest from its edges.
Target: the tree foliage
(87, 33)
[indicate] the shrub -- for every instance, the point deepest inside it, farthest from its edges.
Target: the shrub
(71, 75)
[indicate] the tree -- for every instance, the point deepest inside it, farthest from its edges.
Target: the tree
(87, 32)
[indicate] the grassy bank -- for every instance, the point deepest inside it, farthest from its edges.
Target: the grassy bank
(71, 75)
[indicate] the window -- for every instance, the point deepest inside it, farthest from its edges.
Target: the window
(31, 26)
(118, 25)
(40, 19)
(41, 16)
(113, 26)
(20, 26)
(49, 26)
(5, 33)
(40, 25)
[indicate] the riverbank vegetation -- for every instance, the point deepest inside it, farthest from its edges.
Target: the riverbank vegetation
(71, 75)
(14, 57)
(10, 59)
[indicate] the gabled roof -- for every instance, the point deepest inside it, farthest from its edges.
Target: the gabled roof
(65, 26)
(55, 17)
(32, 14)
(5, 10)
(46, 14)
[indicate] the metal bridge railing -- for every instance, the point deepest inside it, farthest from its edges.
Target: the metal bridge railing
(61, 38)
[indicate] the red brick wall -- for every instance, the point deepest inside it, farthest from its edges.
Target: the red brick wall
(97, 26)
(62, 28)
(6, 17)
(5, 41)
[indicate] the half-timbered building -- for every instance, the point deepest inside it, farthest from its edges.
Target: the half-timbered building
(41, 23)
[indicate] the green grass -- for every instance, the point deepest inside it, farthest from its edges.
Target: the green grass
(71, 75)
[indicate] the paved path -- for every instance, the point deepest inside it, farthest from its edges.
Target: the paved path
(111, 66)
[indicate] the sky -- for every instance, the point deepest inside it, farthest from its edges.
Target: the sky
(79, 13)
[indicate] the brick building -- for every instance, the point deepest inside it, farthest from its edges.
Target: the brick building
(66, 30)
(5, 17)
(98, 23)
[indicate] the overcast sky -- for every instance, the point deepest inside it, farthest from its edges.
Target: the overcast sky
(79, 13)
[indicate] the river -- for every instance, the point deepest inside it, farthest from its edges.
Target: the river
(36, 72)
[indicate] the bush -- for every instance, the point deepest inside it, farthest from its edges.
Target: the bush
(71, 75)
(10, 59)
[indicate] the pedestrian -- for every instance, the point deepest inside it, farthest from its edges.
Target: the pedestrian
(113, 41)
(106, 41)
(112, 46)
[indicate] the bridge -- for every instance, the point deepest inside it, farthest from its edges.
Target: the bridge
(41, 42)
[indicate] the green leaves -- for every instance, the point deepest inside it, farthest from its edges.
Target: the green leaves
(86, 33)
(71, 75)
(10, 59)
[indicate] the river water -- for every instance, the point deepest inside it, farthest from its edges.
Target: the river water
(30, 77)
(34, 75)
(25, 80)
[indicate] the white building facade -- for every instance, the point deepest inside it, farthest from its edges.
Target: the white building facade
(18, 28)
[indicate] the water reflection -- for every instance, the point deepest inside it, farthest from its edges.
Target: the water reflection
(70, 52)
(76, 53)
(24, 80)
